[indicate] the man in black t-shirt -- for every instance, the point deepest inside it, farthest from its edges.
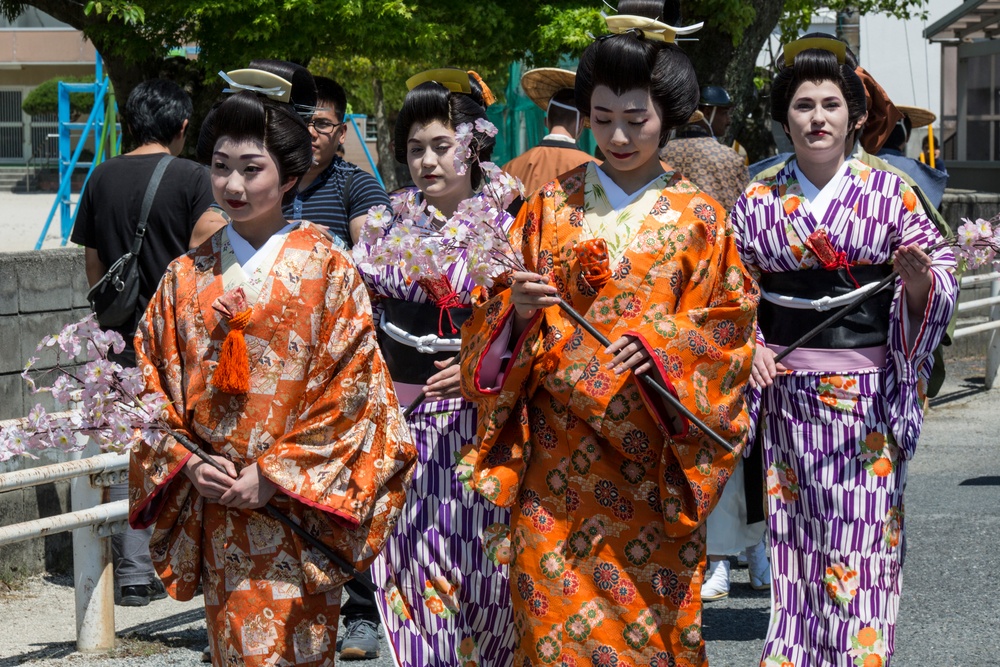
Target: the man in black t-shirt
(156, 115)
(334, 192)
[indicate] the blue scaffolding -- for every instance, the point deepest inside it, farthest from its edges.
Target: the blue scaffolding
(102, 121)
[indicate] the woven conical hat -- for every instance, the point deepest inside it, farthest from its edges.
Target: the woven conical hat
(542, 83)
(919, 117)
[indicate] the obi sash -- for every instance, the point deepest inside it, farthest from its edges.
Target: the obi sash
(866, 326)
(409, 340)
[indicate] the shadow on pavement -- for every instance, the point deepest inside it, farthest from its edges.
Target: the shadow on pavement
(968, 388)
(734, 625)
(988, 480)
(50, 651)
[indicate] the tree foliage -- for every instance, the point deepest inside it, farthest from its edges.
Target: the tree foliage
(372, 46)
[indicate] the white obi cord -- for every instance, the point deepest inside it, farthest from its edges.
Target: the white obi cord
(429, 344)
(822, 304)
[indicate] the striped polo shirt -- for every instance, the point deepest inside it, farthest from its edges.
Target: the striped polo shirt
(323, 201)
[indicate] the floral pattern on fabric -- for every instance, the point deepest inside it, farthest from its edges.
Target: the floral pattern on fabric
(608, 505)
(320, 420)
(868, 648)
(879, 454)
(841, 583)
(782, 482)
(848, 435)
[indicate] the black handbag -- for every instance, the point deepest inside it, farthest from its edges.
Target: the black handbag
(115, 296)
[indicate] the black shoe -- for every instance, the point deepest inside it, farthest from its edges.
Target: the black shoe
(134, 596)
(157, 591)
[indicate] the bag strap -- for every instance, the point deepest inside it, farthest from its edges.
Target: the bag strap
(345, 193)
(147, 202)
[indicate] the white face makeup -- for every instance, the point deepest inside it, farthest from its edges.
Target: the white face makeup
(245, 180)
(818, 121)
(430, 155)
(627, 127)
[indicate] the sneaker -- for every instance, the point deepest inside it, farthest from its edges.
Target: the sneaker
(157, 591)
(759, 567)
(361, 640)
(133, 596)
(716, 586)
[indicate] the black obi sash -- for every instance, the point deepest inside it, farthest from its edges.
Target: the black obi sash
(406, 364)
(866, 326)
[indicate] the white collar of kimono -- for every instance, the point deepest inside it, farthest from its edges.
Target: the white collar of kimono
(618, 198)
(250, 257)
(819, 198)
(559, 136)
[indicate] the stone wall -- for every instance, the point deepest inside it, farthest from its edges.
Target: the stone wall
(40, 292)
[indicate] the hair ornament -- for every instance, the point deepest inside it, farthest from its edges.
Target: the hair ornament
(258, 81)
(454, 79)
(650, 28)
(488, 96)
(831, 44)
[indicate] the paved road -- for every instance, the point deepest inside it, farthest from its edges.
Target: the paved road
(950, 609)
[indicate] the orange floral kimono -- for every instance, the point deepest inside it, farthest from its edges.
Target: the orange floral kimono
(609, 494)
(321, 420)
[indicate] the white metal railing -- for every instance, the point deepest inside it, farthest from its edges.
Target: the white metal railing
(992, 324)
(92, 523)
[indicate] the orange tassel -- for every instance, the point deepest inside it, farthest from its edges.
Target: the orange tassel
(232, 374)
(488, 96)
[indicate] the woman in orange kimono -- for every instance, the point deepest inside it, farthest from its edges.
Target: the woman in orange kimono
(263, 343)
(609, 489)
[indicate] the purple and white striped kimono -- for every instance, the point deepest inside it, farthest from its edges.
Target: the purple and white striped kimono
(838, 430)
(444, 594)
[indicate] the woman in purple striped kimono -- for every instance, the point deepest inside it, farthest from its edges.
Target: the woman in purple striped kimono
(444, 598)
(839, 417)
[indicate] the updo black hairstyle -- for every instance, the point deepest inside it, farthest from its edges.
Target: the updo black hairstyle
(816, 66)
(250, 116)
(431, 101)
(629, 61)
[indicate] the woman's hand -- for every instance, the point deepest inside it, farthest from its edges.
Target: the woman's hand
(209, 482)
(249, 491)
(446, 384)
(914, 266)
(629, 355)
(764, 370)
(530, 292)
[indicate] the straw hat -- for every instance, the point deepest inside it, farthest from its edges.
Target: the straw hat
(918, 117)
(542, 83)
(696, 117)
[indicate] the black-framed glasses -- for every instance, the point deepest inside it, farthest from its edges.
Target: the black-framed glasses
(323, 126)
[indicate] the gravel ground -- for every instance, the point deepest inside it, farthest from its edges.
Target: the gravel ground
(948, 615)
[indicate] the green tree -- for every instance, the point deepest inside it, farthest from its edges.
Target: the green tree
(374, 45)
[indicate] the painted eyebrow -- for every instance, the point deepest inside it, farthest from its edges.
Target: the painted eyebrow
(443, 137)
(642, 110)
(246, 156)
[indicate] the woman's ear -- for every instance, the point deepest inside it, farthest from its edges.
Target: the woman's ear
(289, 183)
(861, 121)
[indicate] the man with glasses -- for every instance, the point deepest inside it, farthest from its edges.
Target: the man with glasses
(334, 192)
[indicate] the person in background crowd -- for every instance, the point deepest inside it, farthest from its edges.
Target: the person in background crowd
(336, 194)
(550, 89)
(695, 151)
(932, 181)
(156, 117)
